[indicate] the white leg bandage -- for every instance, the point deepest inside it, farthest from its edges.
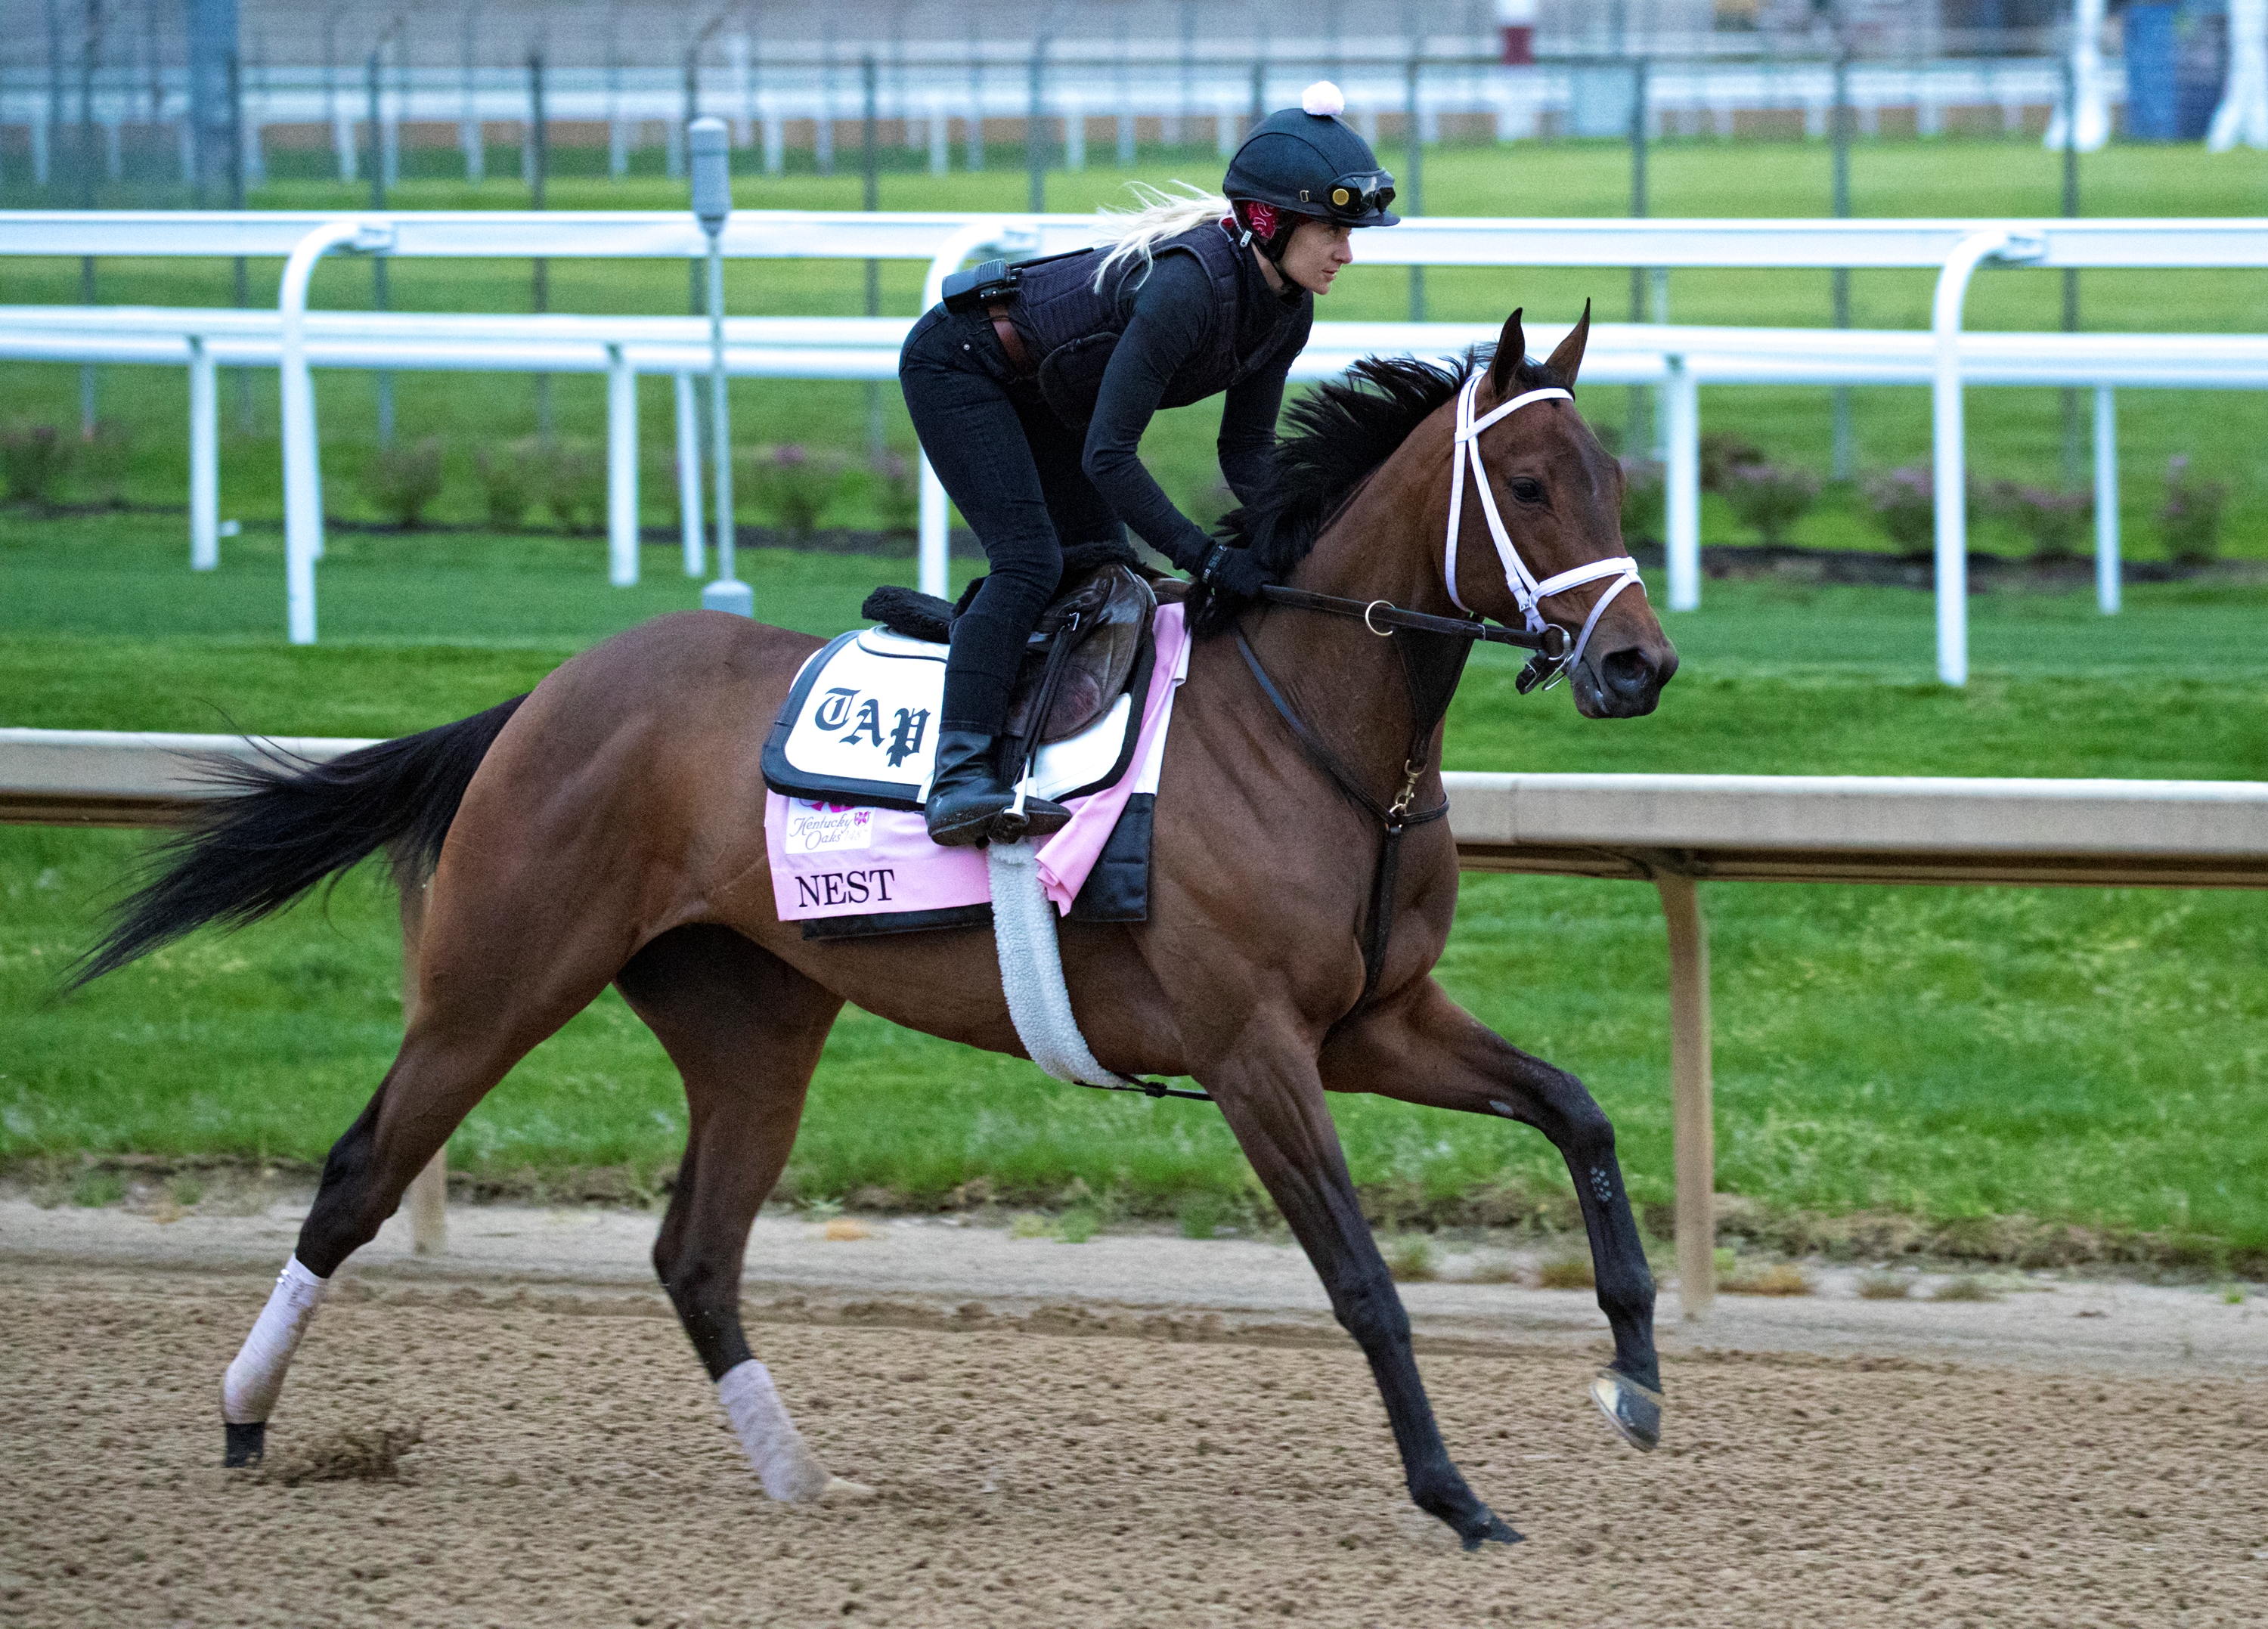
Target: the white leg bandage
(774, 1446)
(248, 1390)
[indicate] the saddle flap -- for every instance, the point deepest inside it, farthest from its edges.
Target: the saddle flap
(1107, 617)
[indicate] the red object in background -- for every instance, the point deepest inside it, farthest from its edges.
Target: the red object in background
(1518, 44)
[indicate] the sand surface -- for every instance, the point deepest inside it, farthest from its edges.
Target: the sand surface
(1134, 1430)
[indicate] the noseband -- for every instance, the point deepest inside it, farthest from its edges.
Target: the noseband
(1526, 591)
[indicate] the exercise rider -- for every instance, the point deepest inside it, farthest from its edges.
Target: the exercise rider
(1030, 387)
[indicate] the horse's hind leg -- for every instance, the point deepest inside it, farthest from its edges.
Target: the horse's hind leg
(1422, 1047)
(745, 1030)
(492, 983)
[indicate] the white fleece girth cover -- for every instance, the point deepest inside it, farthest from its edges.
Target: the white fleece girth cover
(1031, 969)
(774, 1448)
(249, 1389)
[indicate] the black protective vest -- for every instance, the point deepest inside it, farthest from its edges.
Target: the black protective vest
(1074, 330)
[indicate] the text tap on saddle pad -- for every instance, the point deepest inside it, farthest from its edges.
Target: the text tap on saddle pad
(851, 756)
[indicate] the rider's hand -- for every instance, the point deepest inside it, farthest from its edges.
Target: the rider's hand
(1238, 572)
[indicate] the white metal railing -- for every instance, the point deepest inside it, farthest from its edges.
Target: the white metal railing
(1677, 359)
(1956, 248)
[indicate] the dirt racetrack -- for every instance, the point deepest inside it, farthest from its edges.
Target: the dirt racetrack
(1070, 1467)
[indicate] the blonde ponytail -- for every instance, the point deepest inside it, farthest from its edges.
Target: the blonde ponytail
(1164, 212)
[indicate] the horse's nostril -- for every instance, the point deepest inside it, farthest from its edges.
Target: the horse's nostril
(1628, 672)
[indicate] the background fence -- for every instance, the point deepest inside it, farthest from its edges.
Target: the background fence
(1676, 360)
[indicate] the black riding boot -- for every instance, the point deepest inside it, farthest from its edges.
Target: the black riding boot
(969, 796)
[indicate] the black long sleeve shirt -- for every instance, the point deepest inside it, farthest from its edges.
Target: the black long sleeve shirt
(1172, 310)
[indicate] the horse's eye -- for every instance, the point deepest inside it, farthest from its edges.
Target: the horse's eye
(1526, 489)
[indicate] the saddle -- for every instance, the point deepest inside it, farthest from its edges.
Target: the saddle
(1088, 638)
(855, 728)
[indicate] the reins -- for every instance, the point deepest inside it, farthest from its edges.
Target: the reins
(1383, 618)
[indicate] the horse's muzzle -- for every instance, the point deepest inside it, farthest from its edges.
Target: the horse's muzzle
(1624, 682)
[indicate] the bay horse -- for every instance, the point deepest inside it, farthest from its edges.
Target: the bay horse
(609, 828)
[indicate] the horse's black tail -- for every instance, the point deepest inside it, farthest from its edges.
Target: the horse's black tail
(291, 823)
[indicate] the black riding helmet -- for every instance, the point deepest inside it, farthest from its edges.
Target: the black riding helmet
(1302, 163)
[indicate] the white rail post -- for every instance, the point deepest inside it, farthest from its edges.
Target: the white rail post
(1692, 1093)
(205, 460)
(775, 135)
(622, 470)
(737, 54)
(2106, 499)
(2090, 104)
(1951, 477)
(936, 535)
(2243, 115)
(688, 477)
(303, 481)
(1680, 486)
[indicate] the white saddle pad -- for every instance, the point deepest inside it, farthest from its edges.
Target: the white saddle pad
(860, 727)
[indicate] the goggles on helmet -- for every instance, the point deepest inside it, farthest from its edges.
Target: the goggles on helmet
(1367, 192)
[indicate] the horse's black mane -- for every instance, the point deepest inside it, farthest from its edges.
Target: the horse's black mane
(1333, 440)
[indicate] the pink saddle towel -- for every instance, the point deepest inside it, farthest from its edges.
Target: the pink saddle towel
(846, 871)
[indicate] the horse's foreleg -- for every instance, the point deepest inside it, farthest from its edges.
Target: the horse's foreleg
(1423, 1048)
(745, 1031)
(1275, 1105)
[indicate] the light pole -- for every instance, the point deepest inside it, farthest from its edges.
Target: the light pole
(710, 151)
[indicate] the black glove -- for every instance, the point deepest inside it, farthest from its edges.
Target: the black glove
(1237, 572)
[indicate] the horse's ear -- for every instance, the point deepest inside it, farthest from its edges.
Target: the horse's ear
(1567, 361)
(1510, 351)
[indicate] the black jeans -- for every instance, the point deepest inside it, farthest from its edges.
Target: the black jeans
(1014, 470)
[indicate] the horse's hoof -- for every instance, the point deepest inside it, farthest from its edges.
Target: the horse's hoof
(1498, 1531)
(843, 1491)
(1631, 1408)
(248, 1445)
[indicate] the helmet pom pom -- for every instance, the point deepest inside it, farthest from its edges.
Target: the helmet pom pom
(1323, 99)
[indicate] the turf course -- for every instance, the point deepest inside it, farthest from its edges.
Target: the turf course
(2086, 1056)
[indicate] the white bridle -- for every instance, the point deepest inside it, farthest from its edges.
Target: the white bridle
(1525, 588)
